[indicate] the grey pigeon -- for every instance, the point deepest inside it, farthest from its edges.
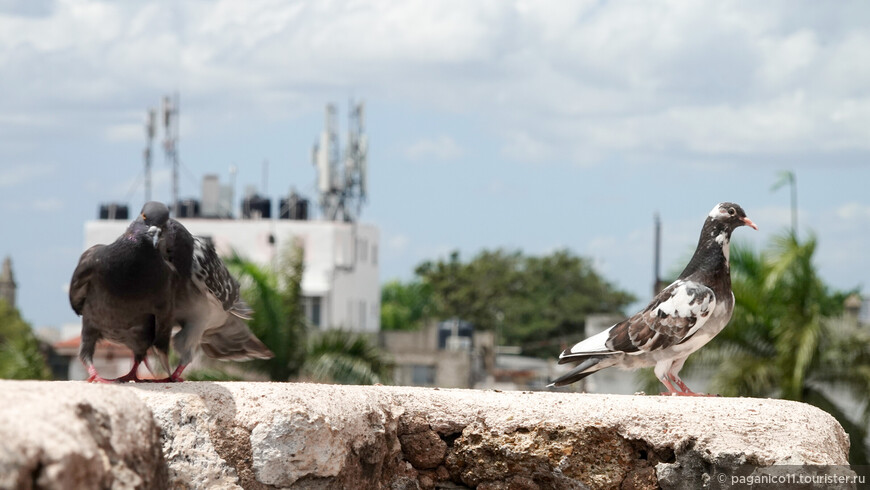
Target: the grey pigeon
(208, 306)
(123, 291)
(681, 319)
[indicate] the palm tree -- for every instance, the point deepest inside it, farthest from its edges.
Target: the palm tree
(787, 338)
(338, 356)
(275, 295)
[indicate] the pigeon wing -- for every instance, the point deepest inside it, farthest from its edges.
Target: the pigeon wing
(81, 278)
(210, 274)
(671, 318)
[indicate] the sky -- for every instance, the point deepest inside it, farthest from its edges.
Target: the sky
(492, 124)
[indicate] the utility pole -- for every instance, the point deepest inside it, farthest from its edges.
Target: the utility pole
(788, 177)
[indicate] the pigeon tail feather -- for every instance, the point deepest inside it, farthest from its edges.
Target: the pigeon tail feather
(596, 344)
(581, 371)
(234, 341)
(241, 310)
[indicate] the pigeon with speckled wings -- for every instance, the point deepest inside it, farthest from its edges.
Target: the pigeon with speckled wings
(681, 319)
(208, 305)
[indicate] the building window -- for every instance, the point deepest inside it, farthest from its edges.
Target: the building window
(362, 248)
(362, 315)
(374, 254)
(422, 375)
(312, 310)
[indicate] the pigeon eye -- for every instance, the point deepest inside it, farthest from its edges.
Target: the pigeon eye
(731, 211)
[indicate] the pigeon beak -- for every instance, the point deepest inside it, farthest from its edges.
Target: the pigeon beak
(155, 235)
(748, 222)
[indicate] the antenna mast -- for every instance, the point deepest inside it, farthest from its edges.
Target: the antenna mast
(150, 121)
(170, 143)
(342, 191)
(657, 247)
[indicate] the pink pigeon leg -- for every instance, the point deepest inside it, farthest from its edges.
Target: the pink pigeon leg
(131, 376)
(94, 377)
(175, 377)
(685, 389)
(671, 390)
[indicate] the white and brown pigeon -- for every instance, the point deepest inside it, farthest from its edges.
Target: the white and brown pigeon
(207, 302)
(124, 293)
(681, 319)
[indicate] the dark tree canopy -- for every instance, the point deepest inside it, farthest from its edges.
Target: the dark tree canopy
(20, 357)
(537, 302)
(404, 306)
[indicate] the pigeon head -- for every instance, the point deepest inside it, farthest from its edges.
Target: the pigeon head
(729, 216)
(139, 230)
(154, 214)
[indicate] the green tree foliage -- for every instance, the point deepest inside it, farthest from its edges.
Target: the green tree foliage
(404, 306)
(19, 350)
(338, 356)
(787, 338)
(535, 302)
(275, 295)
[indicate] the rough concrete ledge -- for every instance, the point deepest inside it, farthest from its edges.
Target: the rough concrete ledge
(279, 435)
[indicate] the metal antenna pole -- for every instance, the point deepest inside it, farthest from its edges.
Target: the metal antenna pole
(170, 143)
(657, 244)
(149, 134)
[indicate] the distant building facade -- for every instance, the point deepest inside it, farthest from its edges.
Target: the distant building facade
(448, 354)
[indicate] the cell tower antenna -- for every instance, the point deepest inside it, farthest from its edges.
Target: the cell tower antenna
(657, 250)
(342, 190)
(233, 171)
(170, 143)
(150, 122)
(265, 189)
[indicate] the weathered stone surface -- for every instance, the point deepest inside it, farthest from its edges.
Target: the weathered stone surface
(263, 435)
(274, 435)
(425, 450)
(73, 435)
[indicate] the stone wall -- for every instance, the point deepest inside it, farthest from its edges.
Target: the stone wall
(277, 435)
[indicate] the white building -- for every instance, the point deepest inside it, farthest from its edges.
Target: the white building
(340, 282)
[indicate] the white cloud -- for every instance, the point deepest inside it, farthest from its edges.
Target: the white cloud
(773, 219)
(438, 148)
(398, 242)
(126, 132)
(48, 204)
(579, 80)
(23, 174)
(853, 212)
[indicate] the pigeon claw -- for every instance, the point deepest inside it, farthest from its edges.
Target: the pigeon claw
(671, 380)
(175, 377)
(93, 377)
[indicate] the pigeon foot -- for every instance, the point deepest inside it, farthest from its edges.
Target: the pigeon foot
(93, 377)
(671, 380)
(175, 377)
(683, 393)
